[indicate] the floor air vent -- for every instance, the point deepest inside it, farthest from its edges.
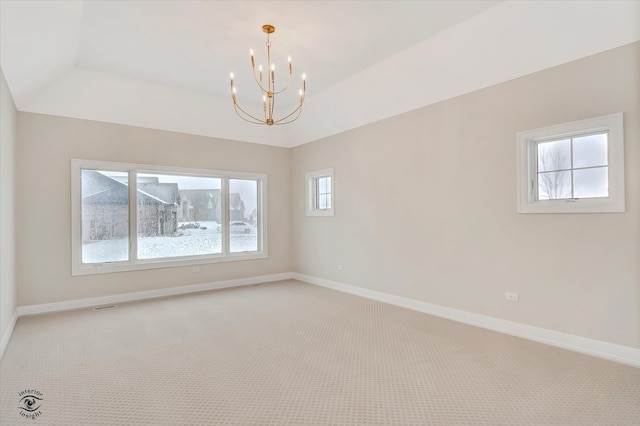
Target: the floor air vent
(100, 308)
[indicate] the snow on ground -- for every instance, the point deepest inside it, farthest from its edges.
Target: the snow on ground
(187, 242)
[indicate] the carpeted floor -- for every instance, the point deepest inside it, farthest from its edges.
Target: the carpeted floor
(290, 353)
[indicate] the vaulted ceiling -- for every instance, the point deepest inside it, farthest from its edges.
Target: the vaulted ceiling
(165, 64)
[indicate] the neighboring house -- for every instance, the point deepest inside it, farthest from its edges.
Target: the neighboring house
(159, 216)
(253, 217)
(105, 212)
(199, 205)
(236, 207)
(204, 205)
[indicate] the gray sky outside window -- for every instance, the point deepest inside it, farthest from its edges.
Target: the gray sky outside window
(186, 182)
(573, 168)
(590, 151)
(323, 192)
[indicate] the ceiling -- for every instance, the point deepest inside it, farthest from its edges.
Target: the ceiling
(166, 64)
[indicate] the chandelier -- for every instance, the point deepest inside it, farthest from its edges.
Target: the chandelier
(269, 91)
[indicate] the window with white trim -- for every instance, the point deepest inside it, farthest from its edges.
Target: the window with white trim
(132, 216)
(575, 167)
(320, 194)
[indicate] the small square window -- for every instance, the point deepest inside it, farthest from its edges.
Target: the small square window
(575, 167)
(320, 193)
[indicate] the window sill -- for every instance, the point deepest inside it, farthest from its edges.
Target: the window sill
(111, 267)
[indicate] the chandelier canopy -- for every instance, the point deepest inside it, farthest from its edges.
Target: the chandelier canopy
(268, 90)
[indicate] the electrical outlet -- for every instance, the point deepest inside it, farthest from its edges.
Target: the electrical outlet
(340, 267)
(512, 297)
(196, 269)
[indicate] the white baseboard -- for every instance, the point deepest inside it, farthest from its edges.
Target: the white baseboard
(149, 294)
(7, 333)
(609, 351)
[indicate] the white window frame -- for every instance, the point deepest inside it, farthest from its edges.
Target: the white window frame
(311, 195)
(527, 164)
(134, 264)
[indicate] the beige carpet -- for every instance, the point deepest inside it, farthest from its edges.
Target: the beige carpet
(294, 354)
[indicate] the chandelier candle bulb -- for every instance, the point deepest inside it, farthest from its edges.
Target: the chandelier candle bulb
(290, 68)
(233, 89)
(253, 64)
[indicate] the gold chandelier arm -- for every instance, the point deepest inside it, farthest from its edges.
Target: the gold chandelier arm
(297, 110)
(237, 107)
(285, 88)
(266, 91)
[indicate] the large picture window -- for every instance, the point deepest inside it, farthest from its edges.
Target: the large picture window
(129, 217)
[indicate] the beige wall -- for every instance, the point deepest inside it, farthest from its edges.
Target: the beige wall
(426, 207)
(46, 146)
(8, 291)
